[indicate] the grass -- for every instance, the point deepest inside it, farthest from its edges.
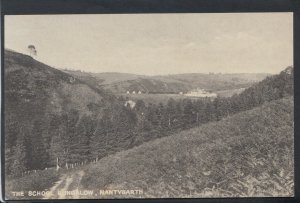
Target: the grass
(157, 98)
(39, 181)
(248, 154)
(229, 93)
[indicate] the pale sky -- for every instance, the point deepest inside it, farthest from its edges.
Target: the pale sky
(156, 44)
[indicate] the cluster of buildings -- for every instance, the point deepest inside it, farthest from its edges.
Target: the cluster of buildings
(193, 93)
(134, 92)
(200, 93)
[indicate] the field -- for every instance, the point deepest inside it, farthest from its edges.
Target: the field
(157, 98)
(163, 98)
(229, 93)
(153, 98)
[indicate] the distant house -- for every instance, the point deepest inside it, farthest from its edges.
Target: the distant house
(200, 93)
(139, 92)
(71, 79)
(180, 93)
(130, 104)
(133, 92)
(127, 92)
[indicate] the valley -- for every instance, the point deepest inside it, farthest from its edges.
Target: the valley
(68, 130)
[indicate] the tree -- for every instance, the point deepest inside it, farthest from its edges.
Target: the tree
(188, 113)
(70, 137)
(39, 154)
(18, 166)
(32, 51)
(171, 111)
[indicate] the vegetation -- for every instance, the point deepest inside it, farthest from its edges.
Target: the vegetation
(122, 82)
(247, 154)
(34, 181)
(55, 120)
(67, 122)
(35, 96)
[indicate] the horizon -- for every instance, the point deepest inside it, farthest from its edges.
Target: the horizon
(205, 73)
(157, 44)
(111, 72)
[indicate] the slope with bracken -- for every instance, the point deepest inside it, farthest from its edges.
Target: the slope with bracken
(247, 154)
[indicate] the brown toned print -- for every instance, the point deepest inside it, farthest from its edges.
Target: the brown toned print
(149, 106)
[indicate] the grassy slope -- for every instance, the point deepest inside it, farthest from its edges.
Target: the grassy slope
(38, 87)
(248, 154)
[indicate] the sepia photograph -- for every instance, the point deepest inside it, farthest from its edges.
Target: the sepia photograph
(161, 105)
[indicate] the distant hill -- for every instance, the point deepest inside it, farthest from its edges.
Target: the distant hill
(247, 154)
(218, 81)
(123, 82)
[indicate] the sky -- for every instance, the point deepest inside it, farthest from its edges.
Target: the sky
(157, 44)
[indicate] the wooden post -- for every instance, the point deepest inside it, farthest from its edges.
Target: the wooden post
(57, 166)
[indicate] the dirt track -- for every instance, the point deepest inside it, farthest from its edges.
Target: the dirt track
(67, 182)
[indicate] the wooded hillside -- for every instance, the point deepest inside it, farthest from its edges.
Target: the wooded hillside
(53, 119)
(247, 154)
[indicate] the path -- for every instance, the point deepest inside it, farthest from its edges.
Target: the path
(67, 182)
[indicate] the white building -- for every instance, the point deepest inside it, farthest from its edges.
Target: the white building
(130, 103)
(133, 92)
(127, 92)
(139, 92)
(200, 93)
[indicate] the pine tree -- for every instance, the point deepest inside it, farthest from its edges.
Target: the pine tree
(188, 113)
(18, 166)
(39, 154)
(171, 112)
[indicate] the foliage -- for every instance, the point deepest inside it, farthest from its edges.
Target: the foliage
(35, 181)
(247, 154)
(67, 122)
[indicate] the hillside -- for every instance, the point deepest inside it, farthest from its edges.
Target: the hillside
(31, 83)
(68, 119)
(61, 121)
(123, 82)
(36, 97)
(247, 154)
